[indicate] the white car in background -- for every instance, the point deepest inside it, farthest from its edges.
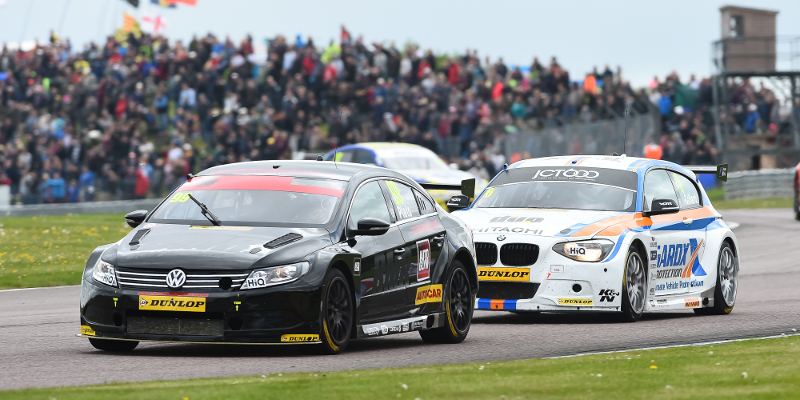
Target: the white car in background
(601, 233)
(418, 162)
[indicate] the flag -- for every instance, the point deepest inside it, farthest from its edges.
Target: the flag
(162, 3)
(134, 3)
(130, 25)
(154, 24)
(186, 2)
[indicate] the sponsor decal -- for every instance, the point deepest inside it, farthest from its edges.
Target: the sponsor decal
(577, 251)
(426, 227)
(692, 302)
(575, 302)
(565, 173)
(416, 325)
(384, 329)
(299, 338)
(172, 303)
(669, 273)
(505, 229)
(428, 294)
(509, 218)
(696, 283)
(87, 330)
(653, 255)
(504, 274)
(372, 331)
(423, 259)
(652, 291)
(653, 242)
(489, 192)
(357, 267)
(221, 228)
(608, 295)
(404, 327)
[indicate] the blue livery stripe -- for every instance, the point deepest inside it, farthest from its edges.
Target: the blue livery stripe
(484, 304)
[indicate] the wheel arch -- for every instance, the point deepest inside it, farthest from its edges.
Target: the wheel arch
(342, 266)
(463, 255)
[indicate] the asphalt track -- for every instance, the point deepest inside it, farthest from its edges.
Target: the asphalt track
(38, 347)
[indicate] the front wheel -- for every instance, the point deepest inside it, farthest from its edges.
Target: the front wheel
(113, 345)
(459, 304)
(337, 313)
(727, 283)
(634, 287)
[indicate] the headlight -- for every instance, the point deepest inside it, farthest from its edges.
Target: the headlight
(589, 250)
(105, 273)
(275, 275)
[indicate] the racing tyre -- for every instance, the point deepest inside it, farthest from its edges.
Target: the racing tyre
(113, 345)
(337, 313)
(634, 286)
(796, 201)
(458, 305)
(727, 283)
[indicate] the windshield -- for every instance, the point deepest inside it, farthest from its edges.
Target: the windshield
(414, 162)
(562, 195)
(253, 200)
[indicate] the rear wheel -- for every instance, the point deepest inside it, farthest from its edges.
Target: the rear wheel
(459, 304)
(796, 199)
(727, 283)
(113, 345)
(634, 287)
(337, 319)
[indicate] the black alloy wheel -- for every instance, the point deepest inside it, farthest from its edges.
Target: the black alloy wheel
(459, 306)
(338, 313)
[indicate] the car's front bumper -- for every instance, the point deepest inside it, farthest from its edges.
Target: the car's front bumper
(277, 315)
(552, 283)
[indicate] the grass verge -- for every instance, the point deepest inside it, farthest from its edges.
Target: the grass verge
(762, 369)
(52, 250)
(717, 197)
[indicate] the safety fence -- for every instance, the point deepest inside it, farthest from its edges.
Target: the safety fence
(96, 207)
(760, 184)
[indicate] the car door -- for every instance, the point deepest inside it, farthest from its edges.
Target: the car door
(424, 237)
(672, 244)
(694, 222)
(380, 295)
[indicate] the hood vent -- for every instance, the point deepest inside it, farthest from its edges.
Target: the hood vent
(283, 240)
(138, 236)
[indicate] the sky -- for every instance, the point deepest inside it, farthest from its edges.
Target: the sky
(645, 38)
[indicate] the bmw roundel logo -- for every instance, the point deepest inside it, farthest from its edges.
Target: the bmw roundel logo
(501, 238)
(176, 278)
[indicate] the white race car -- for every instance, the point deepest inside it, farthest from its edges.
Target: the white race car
(601, 233)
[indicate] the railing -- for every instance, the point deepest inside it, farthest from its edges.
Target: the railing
(761, 184)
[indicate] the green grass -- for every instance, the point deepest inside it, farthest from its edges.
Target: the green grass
(52, 250)
(752, 203)
(772, 367)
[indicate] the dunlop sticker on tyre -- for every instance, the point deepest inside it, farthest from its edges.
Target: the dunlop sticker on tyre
(504, 274)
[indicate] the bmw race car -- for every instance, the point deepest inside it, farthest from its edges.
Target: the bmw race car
(419, 163)
(279, 252)
(601, 233)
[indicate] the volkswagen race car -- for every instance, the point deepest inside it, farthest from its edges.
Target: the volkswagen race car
(279, 252)
(601, 233)
(419, 163)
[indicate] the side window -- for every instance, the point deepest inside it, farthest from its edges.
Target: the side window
(344, 156)
(687, 191)
(368, 202)
(363, 157)
(405, 204)
(425, 206)
(657, 185)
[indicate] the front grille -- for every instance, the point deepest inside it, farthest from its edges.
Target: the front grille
(507, 290)
(486, 253)
(519, 254)
(157, 279)
(175, 326)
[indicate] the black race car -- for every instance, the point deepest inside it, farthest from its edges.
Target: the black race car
(277, 252)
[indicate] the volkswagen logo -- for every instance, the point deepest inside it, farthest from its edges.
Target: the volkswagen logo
(501, 238)
(176, 278)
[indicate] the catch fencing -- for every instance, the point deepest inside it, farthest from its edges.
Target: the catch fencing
(760, 184)
(601, 137)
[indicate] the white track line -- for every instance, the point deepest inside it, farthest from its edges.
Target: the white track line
(38, 288)
(676, 345)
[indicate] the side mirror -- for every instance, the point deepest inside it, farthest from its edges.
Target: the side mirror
(457, 202)
(135, 218)
(371, 227)
(662, 206)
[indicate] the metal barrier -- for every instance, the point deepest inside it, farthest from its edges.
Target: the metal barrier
(96, 207)
(602, 137)
(760, 184)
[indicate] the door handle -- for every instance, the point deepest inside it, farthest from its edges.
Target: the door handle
(399, 252)
(438, 239)
(687, 221)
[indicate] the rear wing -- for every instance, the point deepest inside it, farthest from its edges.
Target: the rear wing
(467, 187)
(720, 170)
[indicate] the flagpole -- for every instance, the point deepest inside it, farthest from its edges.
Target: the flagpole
(63, 18)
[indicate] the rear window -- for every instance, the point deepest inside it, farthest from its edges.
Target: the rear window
(253, 200)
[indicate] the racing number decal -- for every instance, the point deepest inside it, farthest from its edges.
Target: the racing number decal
(423, 259)
(180, 198)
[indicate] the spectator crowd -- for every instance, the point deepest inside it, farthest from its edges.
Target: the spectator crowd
(131, 117)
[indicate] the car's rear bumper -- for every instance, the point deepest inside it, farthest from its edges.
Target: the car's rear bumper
(277, 315)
